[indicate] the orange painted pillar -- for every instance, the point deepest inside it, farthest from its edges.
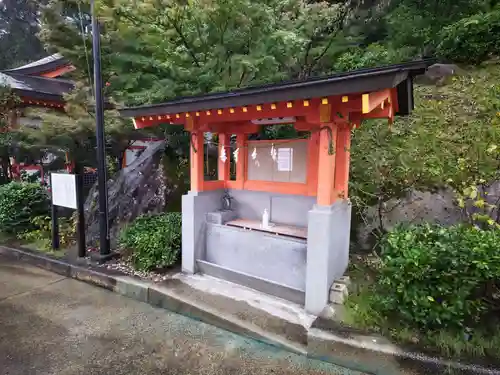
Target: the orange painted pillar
(326, 165)
(223, 167)
(196, 161)
(312, 164)
(241, 165)
(342, 161)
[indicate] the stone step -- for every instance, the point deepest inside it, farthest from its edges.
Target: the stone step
(281, 320)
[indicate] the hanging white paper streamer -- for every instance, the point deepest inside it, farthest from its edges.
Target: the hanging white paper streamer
(274, 153)
(223, 156)
(254, 157)
(235, 154)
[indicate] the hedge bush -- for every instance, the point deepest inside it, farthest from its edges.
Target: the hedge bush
(433, 277)
(472, 39)
(20, 203)
(154, 241)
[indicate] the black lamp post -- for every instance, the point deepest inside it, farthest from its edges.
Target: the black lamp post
(104, 252)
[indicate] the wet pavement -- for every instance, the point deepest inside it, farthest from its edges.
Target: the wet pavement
(50, 324)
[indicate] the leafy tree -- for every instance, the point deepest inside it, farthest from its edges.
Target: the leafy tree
(450, 140)
(373, 55)
(472, 39)
(8, 104)
(73, 131)
(418, 23)
(159, 49)
(19, 24)
(410, 26)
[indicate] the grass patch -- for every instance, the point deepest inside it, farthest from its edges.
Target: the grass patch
(40, 245)
(6, 238)
(43, 246)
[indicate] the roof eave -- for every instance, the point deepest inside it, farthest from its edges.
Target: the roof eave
(40, 69)
(358, 82)
(36, 95)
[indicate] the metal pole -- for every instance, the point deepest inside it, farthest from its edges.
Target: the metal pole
(80, 226)
(101, 153)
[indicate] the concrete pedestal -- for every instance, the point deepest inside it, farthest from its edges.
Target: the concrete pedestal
(195, 206)
(278, 259)
(328, 235)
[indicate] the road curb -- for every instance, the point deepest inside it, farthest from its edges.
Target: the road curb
(345, 347)
(370, 354)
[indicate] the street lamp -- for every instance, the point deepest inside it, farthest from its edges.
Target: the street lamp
(104, 251)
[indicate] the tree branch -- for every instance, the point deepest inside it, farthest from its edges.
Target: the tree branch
(148, 20)
(306, 58)
(242, 76)
(337, 26)
(320, 56)
(185, 42)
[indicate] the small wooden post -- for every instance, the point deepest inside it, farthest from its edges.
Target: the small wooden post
(55, 228)
(80, 226)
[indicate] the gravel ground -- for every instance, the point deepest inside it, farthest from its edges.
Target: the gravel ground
(53, 325)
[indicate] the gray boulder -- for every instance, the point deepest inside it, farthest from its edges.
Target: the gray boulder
(140, 188)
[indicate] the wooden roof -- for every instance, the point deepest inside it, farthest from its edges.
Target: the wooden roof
(359, 81)
(42, 67)
(37, 88)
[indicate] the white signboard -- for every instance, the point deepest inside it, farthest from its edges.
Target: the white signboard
(285, 159)
(63, 188)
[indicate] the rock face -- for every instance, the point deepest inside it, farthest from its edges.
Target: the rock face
(138, 189)
(417, 207)
(438, 74)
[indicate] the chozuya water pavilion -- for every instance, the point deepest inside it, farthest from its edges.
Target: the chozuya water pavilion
(287, 230)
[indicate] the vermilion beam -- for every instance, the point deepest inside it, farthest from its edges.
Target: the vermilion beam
(58, 72)
(373, 100)
(237, 114)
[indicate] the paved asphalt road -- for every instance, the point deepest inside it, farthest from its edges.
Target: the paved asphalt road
(53, 325)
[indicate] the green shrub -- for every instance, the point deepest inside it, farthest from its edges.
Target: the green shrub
(20, 202)
(154, 241)
(434, 277)
(472, 39)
